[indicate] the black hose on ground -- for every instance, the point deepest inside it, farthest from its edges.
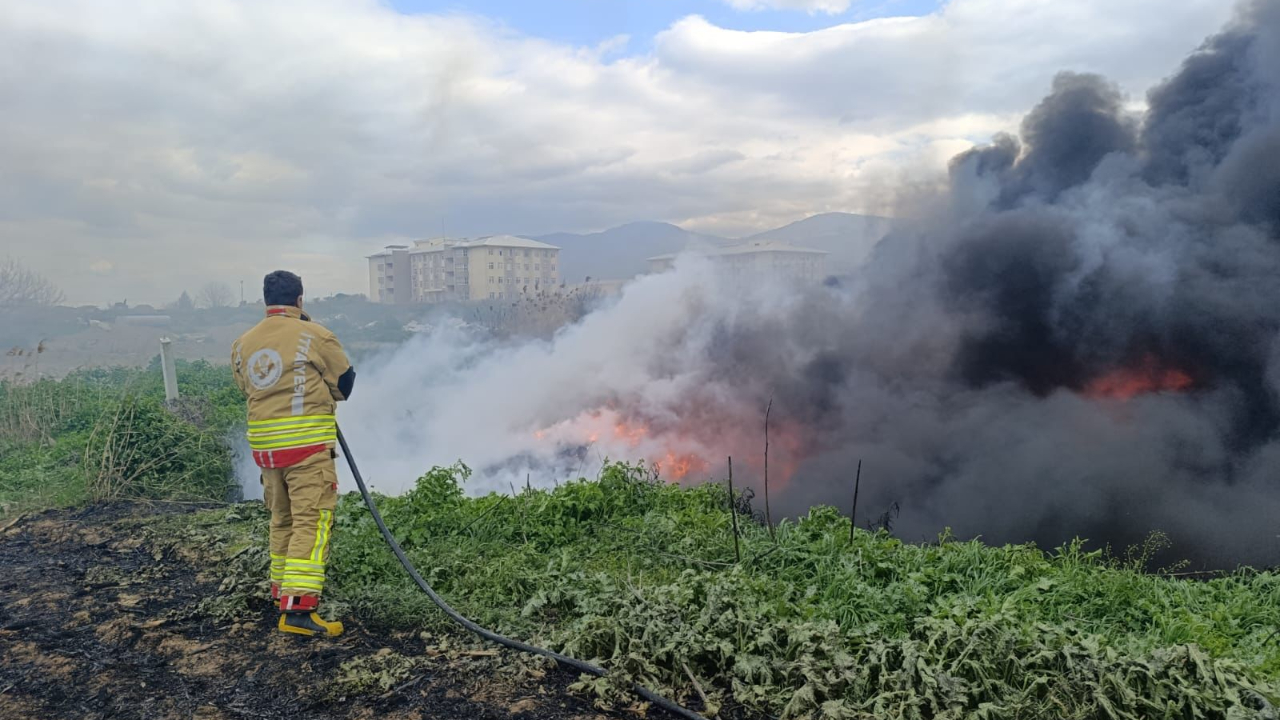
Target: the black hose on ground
(562, 660)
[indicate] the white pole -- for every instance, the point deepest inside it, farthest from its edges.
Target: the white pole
(166, 367)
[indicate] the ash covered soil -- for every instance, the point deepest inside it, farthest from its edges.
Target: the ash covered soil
(96, 624)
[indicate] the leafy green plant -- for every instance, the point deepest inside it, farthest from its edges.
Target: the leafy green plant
(640, 576)
(380, 671)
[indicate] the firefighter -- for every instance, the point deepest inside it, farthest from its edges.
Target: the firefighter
(293, 372)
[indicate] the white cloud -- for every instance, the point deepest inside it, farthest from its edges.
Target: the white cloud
(188, 141)
(831, 7)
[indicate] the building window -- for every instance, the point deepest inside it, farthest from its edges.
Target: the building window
(491, 281)
(526, 253)
(491, 295)
(490, 266)
(526, 267)
(499, 253)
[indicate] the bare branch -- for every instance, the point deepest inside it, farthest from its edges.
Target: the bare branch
(214, 295)
(22, 287)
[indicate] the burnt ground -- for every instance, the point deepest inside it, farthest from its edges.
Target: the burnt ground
(94, 624)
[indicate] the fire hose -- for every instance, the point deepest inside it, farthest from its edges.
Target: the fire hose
(561, 660)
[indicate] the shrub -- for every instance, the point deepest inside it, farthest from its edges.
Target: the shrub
(105, 433)
(140, 449)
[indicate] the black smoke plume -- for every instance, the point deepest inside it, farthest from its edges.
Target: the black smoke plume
(1094, 243)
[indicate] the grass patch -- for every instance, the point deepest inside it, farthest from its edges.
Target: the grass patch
(107, 434)
(639, 575)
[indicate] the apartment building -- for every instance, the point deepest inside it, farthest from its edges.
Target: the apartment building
(389, 275)
(749, 262)
(499, 267)
(438, 271)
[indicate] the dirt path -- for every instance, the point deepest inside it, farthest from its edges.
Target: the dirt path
(88, 629)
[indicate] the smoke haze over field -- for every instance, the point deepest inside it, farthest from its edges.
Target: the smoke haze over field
(1078, 337)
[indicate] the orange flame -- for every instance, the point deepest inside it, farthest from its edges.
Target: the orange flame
(1149, 377)
(678, 466)
(633, 434)
(687, 448)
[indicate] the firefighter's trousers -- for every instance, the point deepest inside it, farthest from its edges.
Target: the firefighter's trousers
(301, 499)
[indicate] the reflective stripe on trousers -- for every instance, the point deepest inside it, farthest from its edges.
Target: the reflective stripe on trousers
(301, 498)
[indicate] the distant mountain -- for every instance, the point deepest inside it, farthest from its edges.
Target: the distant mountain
(620, 252)
(848, 237)
(623, 252)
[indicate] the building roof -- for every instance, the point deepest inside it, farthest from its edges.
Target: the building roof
(508, 241)
(759, 246)
(387, 252)
(440, 244)
(432, 245)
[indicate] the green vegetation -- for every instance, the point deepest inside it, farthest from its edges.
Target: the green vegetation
(106, 434)
(641, 577)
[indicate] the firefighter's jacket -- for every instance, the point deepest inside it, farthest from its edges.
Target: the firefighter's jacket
(293, 373)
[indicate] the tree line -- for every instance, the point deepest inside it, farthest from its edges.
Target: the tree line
(21, 286)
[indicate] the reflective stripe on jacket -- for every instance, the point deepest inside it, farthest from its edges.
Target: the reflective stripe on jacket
(292, 432)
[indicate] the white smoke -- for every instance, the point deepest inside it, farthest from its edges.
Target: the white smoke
(552, 410)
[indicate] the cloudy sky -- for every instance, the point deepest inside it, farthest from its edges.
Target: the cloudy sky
(149, 146)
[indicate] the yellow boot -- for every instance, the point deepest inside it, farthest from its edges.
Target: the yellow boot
(309, 624)
(298, 616)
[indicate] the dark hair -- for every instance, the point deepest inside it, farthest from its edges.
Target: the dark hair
(281, 288)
